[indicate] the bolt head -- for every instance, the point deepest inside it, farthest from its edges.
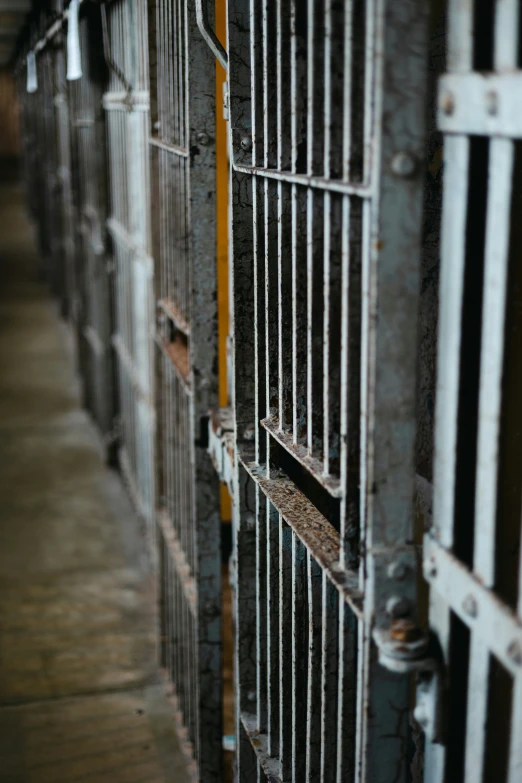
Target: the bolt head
(431, 568)
(397, 571)
(251, 695)
(470, 606)
(491, 102)
(403, 164)
(203, 138)
(397, 606)
(246, 143)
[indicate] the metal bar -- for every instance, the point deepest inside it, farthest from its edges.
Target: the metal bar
(202, 15)
(128, 364)
(178, 561)
(464, 594)
(168, 146)
(481, 105)
(300, 453)
(120, 234)
(491, 370)
(319, 537)
(456, 152)
(116, 100)
(313, 698)
(317, 182)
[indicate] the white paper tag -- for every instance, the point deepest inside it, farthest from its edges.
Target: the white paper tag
(32, 78)
(74, 57)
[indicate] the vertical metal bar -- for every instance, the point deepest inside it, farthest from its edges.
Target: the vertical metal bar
(456, 155)
(329, 682)
(286, 566)
(492, 353)
(391, 274)
(313, 709)
(347, 715)
(262, 616)
(273, 609)
(299, 660)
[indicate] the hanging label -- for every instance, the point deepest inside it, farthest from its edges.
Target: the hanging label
(32, 78)
(74, 57)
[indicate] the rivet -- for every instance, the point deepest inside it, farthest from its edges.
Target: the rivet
(470, 606)
(203, 138)
(447, 103)
(403, 164)
(246, 143)
(397, 606)
(251, 695)
(514, 652)
(397, 571)
(491, 102)
(250, 519)
(431, 568)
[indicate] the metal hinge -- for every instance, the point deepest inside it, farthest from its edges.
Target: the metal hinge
(405, 649)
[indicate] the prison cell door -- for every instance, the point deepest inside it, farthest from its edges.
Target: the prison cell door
(326, 103)
(126, 103)
(182, 153)
(88, 135)
(472, 555)
(66, 230)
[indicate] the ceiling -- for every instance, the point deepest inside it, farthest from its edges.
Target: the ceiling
(13, 14)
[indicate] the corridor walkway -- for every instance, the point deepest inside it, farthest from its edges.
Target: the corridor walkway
(81, 699)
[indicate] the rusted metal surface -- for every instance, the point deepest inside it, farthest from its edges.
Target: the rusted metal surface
(312, 529)
(326, 133)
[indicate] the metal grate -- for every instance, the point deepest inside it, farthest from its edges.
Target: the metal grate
(471, 558)
(325, 102)
(90, 199)
(126, 103)
(182, 149)
(326, 108)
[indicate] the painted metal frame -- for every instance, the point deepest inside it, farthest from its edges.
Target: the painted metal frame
(478, 626)
(126, 103)
(94, 264)
(327, 138)
(325, 102)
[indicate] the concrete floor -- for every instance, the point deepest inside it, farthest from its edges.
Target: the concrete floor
(81, 698)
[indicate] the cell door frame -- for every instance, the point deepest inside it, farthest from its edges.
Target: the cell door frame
(379, 595)
(183, 171)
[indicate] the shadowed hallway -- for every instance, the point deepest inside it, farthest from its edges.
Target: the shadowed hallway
(81, 698)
